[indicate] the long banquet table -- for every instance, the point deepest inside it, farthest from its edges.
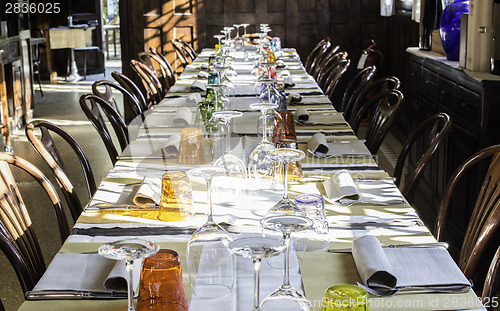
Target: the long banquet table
(238, 206)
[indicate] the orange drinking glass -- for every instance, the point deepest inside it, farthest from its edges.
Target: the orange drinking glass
(191, 149)
(161, 286)
(285, 129)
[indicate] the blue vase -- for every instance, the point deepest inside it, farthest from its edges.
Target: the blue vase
(449, 27)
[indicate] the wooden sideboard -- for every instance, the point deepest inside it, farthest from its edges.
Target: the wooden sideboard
(472, 100)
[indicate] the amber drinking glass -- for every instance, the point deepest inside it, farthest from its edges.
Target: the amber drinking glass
(161, 286)
(285, 129)
(176, 201)
(294, 168)
(191, 149)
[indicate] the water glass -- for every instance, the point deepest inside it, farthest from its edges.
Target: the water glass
(314, 207)
(191, 150)
(161, 286)
(294, 168)
(176, 201)
(345, 297)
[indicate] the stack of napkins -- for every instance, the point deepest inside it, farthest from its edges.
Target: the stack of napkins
(384, 271)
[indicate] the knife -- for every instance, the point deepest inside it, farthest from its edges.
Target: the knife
(71, 294)
(417, 245)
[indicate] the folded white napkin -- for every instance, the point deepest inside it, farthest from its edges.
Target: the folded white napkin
(203, 75)
(183, 116)
(301, 114)
(171, 148)
(284, 74)
(288, 81)
(318, 143)
(193, 98)
(87, 272)
(149, 192)
(387, 270)
(204, 66)
(340, 186)
(198, 86)
(293, 98)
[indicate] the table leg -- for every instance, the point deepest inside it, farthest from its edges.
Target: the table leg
(107, 44)
(74, 76)
(114, 40)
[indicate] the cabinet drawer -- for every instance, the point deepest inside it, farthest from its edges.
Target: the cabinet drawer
(468, 108)
(447, 95)
(415, 74)
(429, 83)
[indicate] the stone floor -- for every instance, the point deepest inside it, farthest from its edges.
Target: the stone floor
(60, 105)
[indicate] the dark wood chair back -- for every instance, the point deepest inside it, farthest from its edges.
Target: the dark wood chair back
(47, 150)
(153, 62)
(321, 58)
(485, 219)
(18, 240)
(150, 82)
(430, 134)
(107, 95)
(320, 47)
(130, 86)
(332, 52)
(355, 88)
(334, 76)
(92, 106)
(327, 67)
(184, 51)
(369, 90)
(384, 108)
(489, 294)
(170, 71)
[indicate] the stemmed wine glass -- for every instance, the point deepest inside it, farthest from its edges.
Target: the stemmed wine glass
(286, 297)
(260, 165)
(285, 156)
(228, 160)
(238, 42)
(129, 250)
(256, 248)
(219, 38)
(245, 36)
(210, 264)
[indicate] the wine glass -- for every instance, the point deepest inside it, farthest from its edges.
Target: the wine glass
(129, 250)
(219, 38)
(256, 248)
(246, 39)
(210, 264)
(260, 165)
(228, 160)
(285, 156)
(286, 297)
(238, 42)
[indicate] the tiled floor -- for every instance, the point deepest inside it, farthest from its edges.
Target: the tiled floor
(60, 105)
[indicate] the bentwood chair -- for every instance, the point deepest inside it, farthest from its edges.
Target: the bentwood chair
(321, 59)
(368, 91)
(107, 95)
(327, 67)
(355, 88)
(47, 150)
(18, 240)
(184, 51)
(384, 108)
(332, 55)
(92, 106)
(168, 68)
(320, 47)
(482, 230)
(430, 134)
(149, 81)
(153, 61)
(130, 86)
(492, 281)
(334, 76)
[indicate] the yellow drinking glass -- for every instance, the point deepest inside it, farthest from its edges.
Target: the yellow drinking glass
(176, 202)
(191, 150)
(345, 297)
(294, 168)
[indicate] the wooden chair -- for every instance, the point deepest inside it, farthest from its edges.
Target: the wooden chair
(107, 95)
(368, 91)
(153, 61)
(327, 67)
(150, 82)
(37, 58)
(385, 107)
(18, 240)
(130, 86)
(485, 219)
(47, 150)
(491, 283)
(330, 57)
(431, 134)
(321, 58)
(170, 71)
(320, 47)
(184, 51)
(92, 106)
(334, 77)
(354, 89)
